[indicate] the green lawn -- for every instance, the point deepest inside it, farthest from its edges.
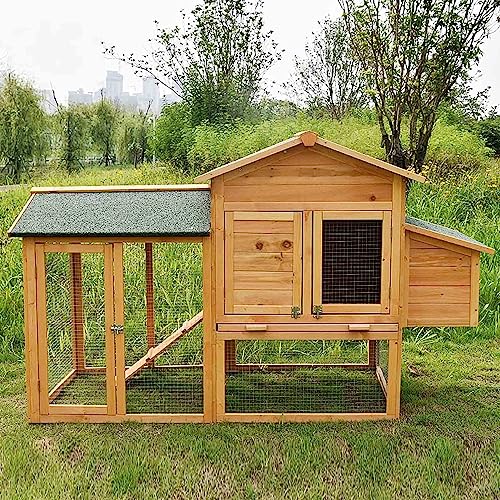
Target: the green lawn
(446, 444)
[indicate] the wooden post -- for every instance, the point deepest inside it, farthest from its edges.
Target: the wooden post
(394, 377)
(109, 335)
(150, 311)
(230, 356)
(77, 305)
(30, 330)
(220, 375)
(119, 339)
(372, 354)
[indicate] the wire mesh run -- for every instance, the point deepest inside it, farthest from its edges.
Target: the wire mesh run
(351, 261)
(163, 291)
(76, 339)
(313, 376)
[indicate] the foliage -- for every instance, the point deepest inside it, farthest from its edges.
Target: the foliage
(23, 128)
(489, 129)
(105, 120)
(215, 62)
(72, 131)
(133, 136)
(329, 78)
(413, 54)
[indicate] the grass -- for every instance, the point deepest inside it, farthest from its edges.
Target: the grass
(445, 446)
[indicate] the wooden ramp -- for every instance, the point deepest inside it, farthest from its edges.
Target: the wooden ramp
(159, 349)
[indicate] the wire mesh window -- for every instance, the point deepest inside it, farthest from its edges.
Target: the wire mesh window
(76, 337)
(351, 261)
(317, 376)
(165, 280)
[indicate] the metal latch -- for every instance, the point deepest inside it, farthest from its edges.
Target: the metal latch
(295, 312)
(318, 311)
(116, 329)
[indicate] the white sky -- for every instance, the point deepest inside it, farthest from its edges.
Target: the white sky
(57, 43)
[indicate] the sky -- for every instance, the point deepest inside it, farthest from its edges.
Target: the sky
(57, 43)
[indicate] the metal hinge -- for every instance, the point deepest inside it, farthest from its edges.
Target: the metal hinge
(116, 329)
(295, 312)
(317, 311)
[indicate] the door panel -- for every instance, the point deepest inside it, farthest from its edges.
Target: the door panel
(263, 262)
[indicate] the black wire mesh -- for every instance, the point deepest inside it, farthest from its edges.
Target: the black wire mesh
(320, 376)
(351, 261)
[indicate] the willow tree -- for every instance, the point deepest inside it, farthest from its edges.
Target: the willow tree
(103, 129)
(23, 128)
(413, 53)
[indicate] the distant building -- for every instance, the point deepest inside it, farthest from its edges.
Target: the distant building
(80, 97)
(114, 86)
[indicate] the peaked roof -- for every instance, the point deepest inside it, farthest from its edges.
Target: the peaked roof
(445, 233)
(307, 139)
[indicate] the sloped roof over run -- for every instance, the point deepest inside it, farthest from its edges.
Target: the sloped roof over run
(116, 211)
(308, 139)
(445, 233)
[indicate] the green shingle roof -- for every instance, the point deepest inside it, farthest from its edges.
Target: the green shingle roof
(123, 213)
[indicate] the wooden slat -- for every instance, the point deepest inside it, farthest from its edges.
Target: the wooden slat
(118, 188)
(229, 262)
(474, 289)
(439, 294)
(263, 262)
(77, 309)
(301, 417)
(308, 335)
(78, 409)
(263, 226)
(326, 319)
(306, 205)
(307, 264)
(391, 297)
(311, 327)
(30, 330)
(311, 193)
(405, 279)
(159, 349)
(317, 253)
(269, 297)
(220, 376)
(438, 257)
(116, 239)
(297, 261)
(439, 276)
(271, 216)
(389, 268)
(74, 248)
(438, 315)
(119, 340)
(261, 280)
(109, 336)
(394, 378)
(263, 243)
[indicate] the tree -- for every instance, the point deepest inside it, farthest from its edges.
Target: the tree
(104, 123)
(133, 137)
(72, 129)
(23, 126)
(413, 53)
(329, 78)
(216, 62)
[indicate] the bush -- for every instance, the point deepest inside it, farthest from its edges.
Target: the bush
(489, 130)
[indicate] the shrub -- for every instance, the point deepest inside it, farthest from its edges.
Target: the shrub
(489, 130)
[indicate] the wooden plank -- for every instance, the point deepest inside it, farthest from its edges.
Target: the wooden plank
(305, 327)
(109, 336)
(307, 263)
(263, 262)
(208, 334)
(449, 239)
(437, 257)
(263, 243)
(262, 280)
(305, 205)
(317, 258)
(307, 335)
(390, 264)
(438, 315)
(394, 378)
(119, 340)
(439, 276)
(381, 380)
(405, 280)
(30, 330)
(218, 233)
(297, 261)
(263, 226)
(119, 188)
(255, 309)
(41, 310)
(271, 216)
(352, 215)
(159, 349)
(302, 417)
(263, 297)
(74, 248)
(326, 319)
(150, 302)
(439, 294)
(311, 193)
(76, 240)
(61, 385)
(391, 297)
(77, 310)
(77, 409)
(474, 289)
(220, 375)
(229, 263)
(161, 418)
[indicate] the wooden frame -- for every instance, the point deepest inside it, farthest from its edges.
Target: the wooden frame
(318, 218)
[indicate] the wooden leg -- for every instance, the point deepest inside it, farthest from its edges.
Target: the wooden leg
(394, 377)
(220, 380)
(77, 305)
(118, 290)
(230, 356)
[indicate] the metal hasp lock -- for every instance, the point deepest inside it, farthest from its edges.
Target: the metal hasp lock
(318, 311)
(295, 312)
(116, 329)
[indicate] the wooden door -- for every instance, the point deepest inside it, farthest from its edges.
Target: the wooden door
(263, 262)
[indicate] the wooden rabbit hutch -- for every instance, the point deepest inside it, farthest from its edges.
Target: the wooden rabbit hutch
(300, 258)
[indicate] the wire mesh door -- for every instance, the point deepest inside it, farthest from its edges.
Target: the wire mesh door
(75, 316)
(163, 349)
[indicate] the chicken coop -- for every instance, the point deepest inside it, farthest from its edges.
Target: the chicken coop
(277, 292)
